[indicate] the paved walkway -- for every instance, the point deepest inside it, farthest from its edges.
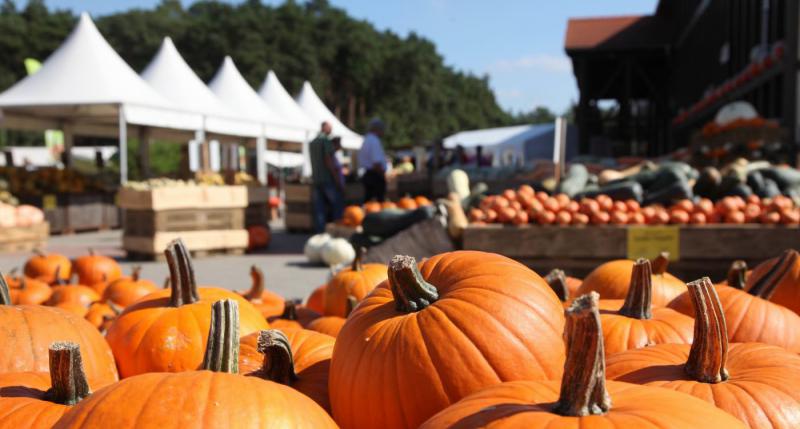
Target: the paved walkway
(284, 266)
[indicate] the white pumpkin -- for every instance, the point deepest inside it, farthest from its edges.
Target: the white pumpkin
(8, 216)
(28, 215)
(458, 182)
(313, 247)
(338, 251)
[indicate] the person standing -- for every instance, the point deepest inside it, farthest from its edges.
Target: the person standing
(328, 191)
(372, 159)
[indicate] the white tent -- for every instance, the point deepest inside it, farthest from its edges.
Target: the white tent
(84, 87)
(283, 159)
(484, 137)
(231, 87)
(509, 145)
(310, 102)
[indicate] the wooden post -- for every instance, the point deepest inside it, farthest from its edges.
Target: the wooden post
(144, 152)
(123, 146)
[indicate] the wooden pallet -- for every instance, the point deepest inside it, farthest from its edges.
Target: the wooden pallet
(143, 223)
(185, 197)
(24, 239)
(701, 251)
(200, 243)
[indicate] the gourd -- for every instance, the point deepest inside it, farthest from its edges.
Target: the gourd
(313, 247)
(337, 251)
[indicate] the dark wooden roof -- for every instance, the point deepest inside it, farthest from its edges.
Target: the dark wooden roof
(620, 33)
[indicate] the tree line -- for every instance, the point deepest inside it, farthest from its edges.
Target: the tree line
(358, 70)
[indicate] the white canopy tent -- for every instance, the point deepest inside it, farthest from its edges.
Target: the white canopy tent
(84, 87)
(310, 102)
(284, 159)
(507, 145)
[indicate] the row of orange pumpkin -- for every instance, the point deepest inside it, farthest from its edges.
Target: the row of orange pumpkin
(434, 333)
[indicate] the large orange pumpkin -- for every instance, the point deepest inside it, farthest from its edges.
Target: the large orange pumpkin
(43, 267)
(26, 332)
(93, 268)
(127, 290)
(748, 380)
(215, 396)
(611, 281)
(267, 302)
(583, 398)
(356, 281)
(258, 237)
(778, 280)
(297, 358)
(167, 330)
(39, 399)
(353, 216)
(636, 324)
(465, 319)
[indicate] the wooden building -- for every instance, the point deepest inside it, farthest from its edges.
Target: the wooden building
(648, 82)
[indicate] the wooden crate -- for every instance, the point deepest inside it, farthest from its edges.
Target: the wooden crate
(220, 241)
(703, 251)
(257, 211)
(144, 223)
(24, 239)
(184, 197)
(72, 212)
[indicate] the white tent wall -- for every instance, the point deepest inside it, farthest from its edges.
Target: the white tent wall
(313, 106)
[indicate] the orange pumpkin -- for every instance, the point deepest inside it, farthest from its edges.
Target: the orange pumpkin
(583, 398)
(611, 281)
(39, 399)
(267, 302)
(331, 325)
(316, 301)
(294, 316)
(372, 207)
(75, 308)
(636, 324)
(422, 201)
(127, 290)
(101, 314)
(93, 268)
(778, 280)
(388, 205)
(461, 318)
(26, 291)
(352, 216)
(407, 203)
(748, 380)
(72, 293)
(215, 396)
(258, 237)
(43, 267)
(297, 358)
(28, 331)
(356, 281)
(167, 330)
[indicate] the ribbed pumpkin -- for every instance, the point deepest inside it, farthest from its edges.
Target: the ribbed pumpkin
(27, 291)
(31, 400)
(611, 281)
(331, 325)
(356, 281)
(94, 268)
(167, 330)
(27, 331)
(294, 316)
(636, 324)
(297, 358)
(439, 331)
(267, 302)
(778, 280)
(102, 314)
(352, 216)
(752, 381)
(583, 398)
(63, 293)
(316, 301)
(127, 290)
(43, 267)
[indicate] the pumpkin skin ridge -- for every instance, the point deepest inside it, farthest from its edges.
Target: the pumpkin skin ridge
(16, 392)
(658, 330)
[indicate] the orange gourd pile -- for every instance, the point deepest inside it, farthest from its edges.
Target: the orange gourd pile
(353, 215)
(525, 206)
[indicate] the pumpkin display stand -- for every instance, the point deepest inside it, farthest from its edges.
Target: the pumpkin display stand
(24, 238)
(300, 205)
(209, 219)
(697, 251)
(68, 213)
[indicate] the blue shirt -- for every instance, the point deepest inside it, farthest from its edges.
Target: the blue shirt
(371, 153)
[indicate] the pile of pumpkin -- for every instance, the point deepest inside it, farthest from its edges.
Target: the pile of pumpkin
(461, 339)
(20, 216)
(354, 214)
(526, 206)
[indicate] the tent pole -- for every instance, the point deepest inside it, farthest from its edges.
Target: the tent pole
(123, 146)
(144, 152)
(261, 166)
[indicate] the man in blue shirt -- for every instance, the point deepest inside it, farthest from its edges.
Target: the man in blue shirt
(372, 159)
(328, 190)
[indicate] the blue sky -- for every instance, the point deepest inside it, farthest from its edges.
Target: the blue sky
(518, 43)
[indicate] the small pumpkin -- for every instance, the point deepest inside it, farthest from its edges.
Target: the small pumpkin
(611, 281)
(331, 325)
(27, 291)
(747, 380)
(352, 216)
(101, 314)
(294, 316)
(356, 281)
(313, 247)
(778, 280)
(43, 267)
(94, 268)
(372, 207)
(316, 301)
(297, 358)
(267, 302)
(258, 237)
(39, 399)
(407, 203)
(127, 290)
(63, 293)
(337, 251)
(583, 398)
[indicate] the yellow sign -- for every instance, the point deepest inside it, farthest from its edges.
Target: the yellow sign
(49, 202)
(649, 241)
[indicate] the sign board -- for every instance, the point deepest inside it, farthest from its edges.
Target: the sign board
(49, 202)
(649, 241)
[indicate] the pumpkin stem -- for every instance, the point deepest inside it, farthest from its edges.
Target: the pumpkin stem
(352, 302)
(583, 386)
(557, 281)
(67, 376)
(23, 283)
(357, 266)
(278, 363)
(222, 349)
(181, 274)
(167, 283)
(638, 300)
(38, 252)
(289, 310)
(411, 292)
(5, 295)
(709, 351)
(136, 271)
(660, 263)
(257, 289)
(737, 274)
(765, 286)
(59, 281)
